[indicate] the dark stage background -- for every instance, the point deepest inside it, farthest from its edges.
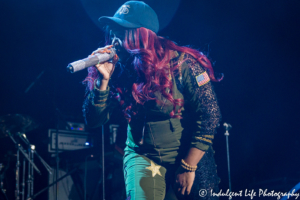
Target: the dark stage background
(254, 43)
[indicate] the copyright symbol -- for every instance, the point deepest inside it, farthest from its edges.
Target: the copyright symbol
(202, 193)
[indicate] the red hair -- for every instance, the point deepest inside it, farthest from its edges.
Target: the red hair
(152, 56)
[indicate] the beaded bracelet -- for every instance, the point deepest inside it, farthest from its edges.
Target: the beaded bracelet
(187, 166)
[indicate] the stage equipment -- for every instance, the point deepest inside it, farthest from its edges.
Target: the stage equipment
(68, 140)
(54, 183)
(227, 128)
(30, 158)
(16, 123)
(3, 170)
(76, 126)
(66, 188)
(14, 126)
(113, 129)
(87, 181)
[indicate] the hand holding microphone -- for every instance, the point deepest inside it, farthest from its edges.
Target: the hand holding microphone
(106, 68)
(104, 59)
(99, 56)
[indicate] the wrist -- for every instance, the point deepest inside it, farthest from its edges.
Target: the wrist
(194, 156)
(190, 161)
(182, 170)
(187, 167)
(104, 84)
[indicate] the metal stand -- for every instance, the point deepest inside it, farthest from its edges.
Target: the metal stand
(28, 177)
(57, 163)
(32, 149)
(24, 139)
(30, 180)
(23, 181)
(20, 149)
(2, 175)
(31, 166)
(17, 191)
(103, 165)
(227, 128)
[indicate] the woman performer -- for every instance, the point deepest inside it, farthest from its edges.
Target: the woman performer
(165, 93)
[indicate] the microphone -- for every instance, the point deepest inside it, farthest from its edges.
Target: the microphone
(227, 126)
(91, 60)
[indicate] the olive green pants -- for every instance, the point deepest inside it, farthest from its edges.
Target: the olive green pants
(144, 179)
(147, 180)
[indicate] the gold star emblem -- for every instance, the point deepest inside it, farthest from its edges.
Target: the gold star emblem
(154, 168)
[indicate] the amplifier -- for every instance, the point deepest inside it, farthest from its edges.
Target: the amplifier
(68, 140)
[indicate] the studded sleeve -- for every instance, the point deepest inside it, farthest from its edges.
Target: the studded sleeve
(200, 103)
(97, 108)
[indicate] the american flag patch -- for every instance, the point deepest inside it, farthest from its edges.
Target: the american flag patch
(202, 79)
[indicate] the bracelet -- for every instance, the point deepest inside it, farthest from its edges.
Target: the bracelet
(187, 166)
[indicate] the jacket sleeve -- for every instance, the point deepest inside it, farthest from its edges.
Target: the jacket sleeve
(200, 99)
(97, 108)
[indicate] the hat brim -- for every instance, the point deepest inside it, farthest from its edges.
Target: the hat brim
(113, 20)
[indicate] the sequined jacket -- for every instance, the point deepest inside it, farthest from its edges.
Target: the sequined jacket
(152, 131)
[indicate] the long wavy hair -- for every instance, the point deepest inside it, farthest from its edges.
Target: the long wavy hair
(151, 58)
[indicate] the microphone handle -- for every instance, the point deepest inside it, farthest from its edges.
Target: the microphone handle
(90, 61)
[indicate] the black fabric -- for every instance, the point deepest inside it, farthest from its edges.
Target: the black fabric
(206, 178)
